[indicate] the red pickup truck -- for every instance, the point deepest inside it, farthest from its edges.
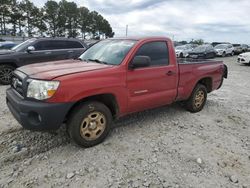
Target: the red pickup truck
(111, 79)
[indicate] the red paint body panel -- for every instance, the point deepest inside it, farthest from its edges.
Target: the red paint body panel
(134, 90)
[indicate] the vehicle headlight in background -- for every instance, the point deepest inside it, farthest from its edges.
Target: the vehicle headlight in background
(40, 90)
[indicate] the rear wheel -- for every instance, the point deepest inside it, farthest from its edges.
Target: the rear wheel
(90, 123)
(197, 99)
(6, 72)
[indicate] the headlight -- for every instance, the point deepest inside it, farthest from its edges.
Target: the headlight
(40, 90)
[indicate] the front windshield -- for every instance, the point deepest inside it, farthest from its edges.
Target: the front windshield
(23, 45)
(108, 51)
(220, 46)
(200, 48)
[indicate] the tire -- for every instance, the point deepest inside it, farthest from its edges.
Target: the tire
(181, 55)
(194, 104)
(232, 54)
(224, 54)
(79, 124)
(6, 74)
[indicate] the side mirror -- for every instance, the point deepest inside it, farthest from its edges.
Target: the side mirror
(140, 61)
(31, 49)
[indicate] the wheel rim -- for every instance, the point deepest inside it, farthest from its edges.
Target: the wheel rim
(5, 74)
(199, 99)
(93, 126)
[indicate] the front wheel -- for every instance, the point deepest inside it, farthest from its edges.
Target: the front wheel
(6, 74)
(232, 54)
(197, 99)
(90, 123)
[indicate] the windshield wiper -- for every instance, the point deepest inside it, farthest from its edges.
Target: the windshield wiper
(98, 61)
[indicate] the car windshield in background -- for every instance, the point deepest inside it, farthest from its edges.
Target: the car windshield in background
(108, 51)
(220, 46)
(200, 49)
(180, 48)
(236, 45)
(23, 45)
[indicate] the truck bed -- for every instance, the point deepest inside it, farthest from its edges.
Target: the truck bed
(191, 61)
(191, 70)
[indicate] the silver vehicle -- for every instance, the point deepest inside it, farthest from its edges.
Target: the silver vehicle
(183, 51)
(224, 50)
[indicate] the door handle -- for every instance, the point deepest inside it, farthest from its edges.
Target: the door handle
(170, 73)
(70, 51)
(47, 53)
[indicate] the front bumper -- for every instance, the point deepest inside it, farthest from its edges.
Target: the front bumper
(219, 53)
(36, 115)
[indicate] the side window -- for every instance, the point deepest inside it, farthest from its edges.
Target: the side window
(57, 45)
(49, 45)
(73, 44)
(42, 45)
(157, 51)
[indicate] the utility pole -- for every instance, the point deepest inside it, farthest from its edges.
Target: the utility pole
(126, 30)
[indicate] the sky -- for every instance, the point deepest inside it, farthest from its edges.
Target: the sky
(211, 20)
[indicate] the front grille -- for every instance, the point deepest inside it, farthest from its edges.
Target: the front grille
(17, 82)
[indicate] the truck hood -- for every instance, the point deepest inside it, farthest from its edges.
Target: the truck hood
(51, 70)
(5, 52)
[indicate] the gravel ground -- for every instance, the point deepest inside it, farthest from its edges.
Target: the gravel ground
(164, 147)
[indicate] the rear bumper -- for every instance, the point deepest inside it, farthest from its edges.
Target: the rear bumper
(35, 115)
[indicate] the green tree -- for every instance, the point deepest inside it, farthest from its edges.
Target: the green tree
(68, 21)
(16, 17)
(30, 15)
(198, 41)
(39, 21)
(51, 9)
(84, 20)
(4, 14)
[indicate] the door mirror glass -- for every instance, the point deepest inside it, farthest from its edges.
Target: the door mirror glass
(31, 49)
(140, 61)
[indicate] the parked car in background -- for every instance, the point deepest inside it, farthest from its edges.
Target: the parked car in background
(224, 50)
(237, 48)
(183, 51)
(111, 79)
(244, 47)
(244, 58)
(7, 45)
(38, 50)
(203, 51)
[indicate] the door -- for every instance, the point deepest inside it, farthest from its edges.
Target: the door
(44, 51)
(155, 85)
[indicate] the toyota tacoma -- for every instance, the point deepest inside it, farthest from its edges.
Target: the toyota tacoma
(111, 79)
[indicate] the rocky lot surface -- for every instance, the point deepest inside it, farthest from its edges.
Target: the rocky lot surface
(164, 147)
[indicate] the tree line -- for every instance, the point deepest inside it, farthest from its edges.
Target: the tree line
(55, 19)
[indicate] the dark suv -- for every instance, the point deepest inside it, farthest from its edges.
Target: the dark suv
(38, 50)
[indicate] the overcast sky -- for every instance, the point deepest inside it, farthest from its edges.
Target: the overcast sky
(212, 20)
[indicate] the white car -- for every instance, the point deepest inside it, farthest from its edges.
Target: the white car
(244, 58)
(183, 51)
(224, 50)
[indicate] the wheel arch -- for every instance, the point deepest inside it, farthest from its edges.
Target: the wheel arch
(207, 82)
(107, 99)
(12, 63)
